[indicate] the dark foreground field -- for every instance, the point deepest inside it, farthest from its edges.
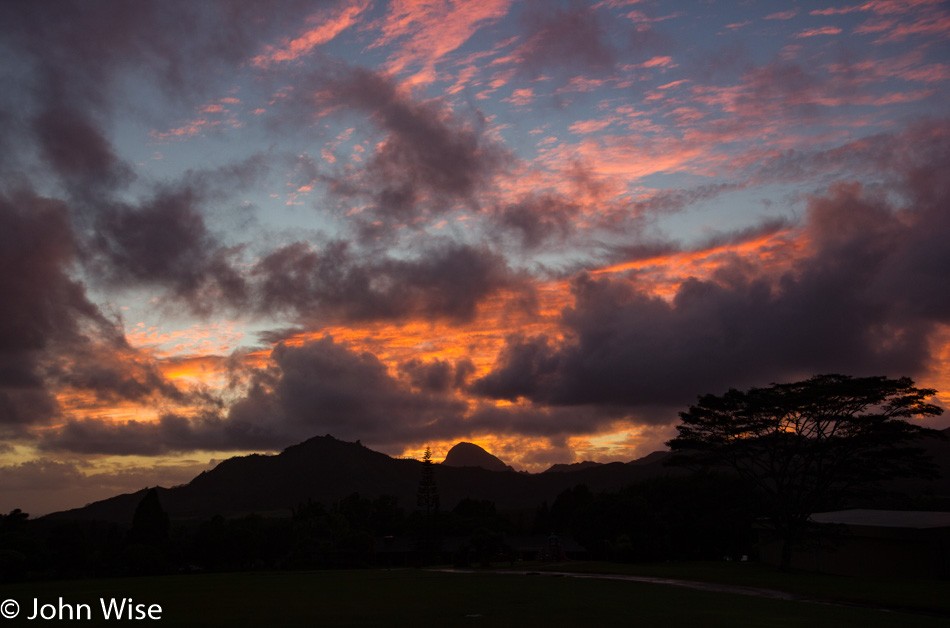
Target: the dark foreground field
(404, 597)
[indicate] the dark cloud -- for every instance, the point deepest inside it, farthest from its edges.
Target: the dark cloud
(164, 240)
(75, 147)
(437, 376)
(324, 387)
(51, 334)
(556, 424)
(430, 158)
(865, 301)
(446, 281)
(44, 308)
(78, 49)
(536, 219)
(69, 60)
(317, 388)
(165, 243)
(114, 372)
(169, 434)
(565, 40)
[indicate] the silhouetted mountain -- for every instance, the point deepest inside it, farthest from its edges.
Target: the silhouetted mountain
(656, 456)
(471, 455)
(575, 466)
(327, 470)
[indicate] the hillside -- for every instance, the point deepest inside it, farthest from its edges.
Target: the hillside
(326, 469)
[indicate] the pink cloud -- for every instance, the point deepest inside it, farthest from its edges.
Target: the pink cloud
(629, 157)
(328, 26)
(898, 19)
(643, 18)
(582, 127)
(191, 129)
(784, 15)
(935, 24)
(823, 30)
(902, 97)
(738, 25)
(580, 84)
(427, 30)
(906, 67)
(520, 97)
(665, 62)
(880, 7)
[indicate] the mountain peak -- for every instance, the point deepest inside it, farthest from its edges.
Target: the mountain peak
(471, 455)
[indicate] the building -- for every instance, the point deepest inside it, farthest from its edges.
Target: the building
(872, 543)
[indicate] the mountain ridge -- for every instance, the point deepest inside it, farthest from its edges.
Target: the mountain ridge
(326, 469)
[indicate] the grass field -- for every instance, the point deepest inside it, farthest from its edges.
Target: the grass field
(926, 596)
(404, 597)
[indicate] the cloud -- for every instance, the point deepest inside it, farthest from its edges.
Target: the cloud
(52, 337)
(429, 158)
(445, 281)
(565, 40)
(327, 25)
(536, 219)
(75, 147)
(863, 298)
(79, 50)
(44, 308)
(316, 388)
(425, 32)
(165, 243)
(823, 30)
(437, 376)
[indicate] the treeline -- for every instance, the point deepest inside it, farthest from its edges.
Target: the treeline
(673, 518)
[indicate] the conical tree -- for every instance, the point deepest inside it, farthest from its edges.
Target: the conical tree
(150, 523)
(427, 498)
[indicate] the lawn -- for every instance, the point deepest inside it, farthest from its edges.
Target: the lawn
(927, 596)
(404, 597)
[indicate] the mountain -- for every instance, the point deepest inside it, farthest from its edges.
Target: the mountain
(649, 459)
(656, 456)
(471, 455)
(575, 466)
(327, 470)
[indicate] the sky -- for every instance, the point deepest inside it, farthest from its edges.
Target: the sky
(543, 227)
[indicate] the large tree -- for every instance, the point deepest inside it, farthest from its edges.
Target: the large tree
(810, 445)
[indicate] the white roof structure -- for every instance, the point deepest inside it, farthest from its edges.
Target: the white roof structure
(915, 519)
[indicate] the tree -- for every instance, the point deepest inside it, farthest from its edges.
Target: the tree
(811, 444)
(150, 524)
(427, 497)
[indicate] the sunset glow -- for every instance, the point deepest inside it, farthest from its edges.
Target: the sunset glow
(545, 228)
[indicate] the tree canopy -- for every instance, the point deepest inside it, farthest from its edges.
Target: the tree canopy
(809, 445)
